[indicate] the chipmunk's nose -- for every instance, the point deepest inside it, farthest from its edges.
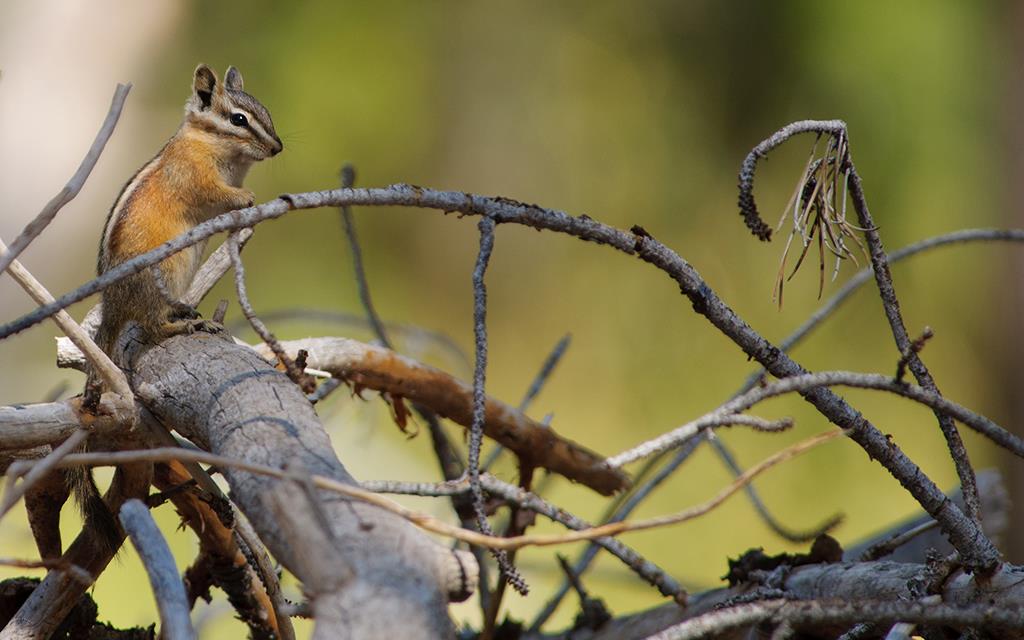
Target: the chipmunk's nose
(278, 146)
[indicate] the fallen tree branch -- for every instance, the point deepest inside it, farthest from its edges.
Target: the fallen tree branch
(377, 368)
(226, 399)
(860, 585)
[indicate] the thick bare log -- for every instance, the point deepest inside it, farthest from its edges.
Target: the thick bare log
(228, 400)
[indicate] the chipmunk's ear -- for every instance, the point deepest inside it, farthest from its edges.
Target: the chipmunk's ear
(233, 79)
(203, 86)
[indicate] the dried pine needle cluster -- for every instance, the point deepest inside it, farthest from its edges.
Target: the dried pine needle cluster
(818, 210)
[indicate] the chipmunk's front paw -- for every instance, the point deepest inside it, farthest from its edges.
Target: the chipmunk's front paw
(207, 326)
(188, 326)
(181, 311)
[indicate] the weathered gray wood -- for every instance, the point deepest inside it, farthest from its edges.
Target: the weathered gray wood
(33, 425)
(156, 557)
(371, 564)
(841, 582)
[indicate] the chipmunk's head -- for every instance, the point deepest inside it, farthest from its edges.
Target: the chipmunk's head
(225, 111)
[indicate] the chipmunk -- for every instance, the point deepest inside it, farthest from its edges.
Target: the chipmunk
(197, 175)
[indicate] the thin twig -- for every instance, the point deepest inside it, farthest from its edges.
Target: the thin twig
(297, 375)
(214, 268)
(73, 186)
(717, 418)
(746, 201)
(326, 388)
(773, 523)
(451, 464)
(348, 178)
(887, 290)
(546, 368)
(264, 566)
(476, 431)
(156, 557)
(75, 571)
(915, 347)
(885, 547)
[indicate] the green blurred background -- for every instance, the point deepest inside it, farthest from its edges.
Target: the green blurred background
(631, 112)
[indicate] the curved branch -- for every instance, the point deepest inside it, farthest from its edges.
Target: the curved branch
(841, 162)
(965, 534)
(748, 208)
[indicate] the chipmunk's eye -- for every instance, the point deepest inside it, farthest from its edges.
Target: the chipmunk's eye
(239, 120)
